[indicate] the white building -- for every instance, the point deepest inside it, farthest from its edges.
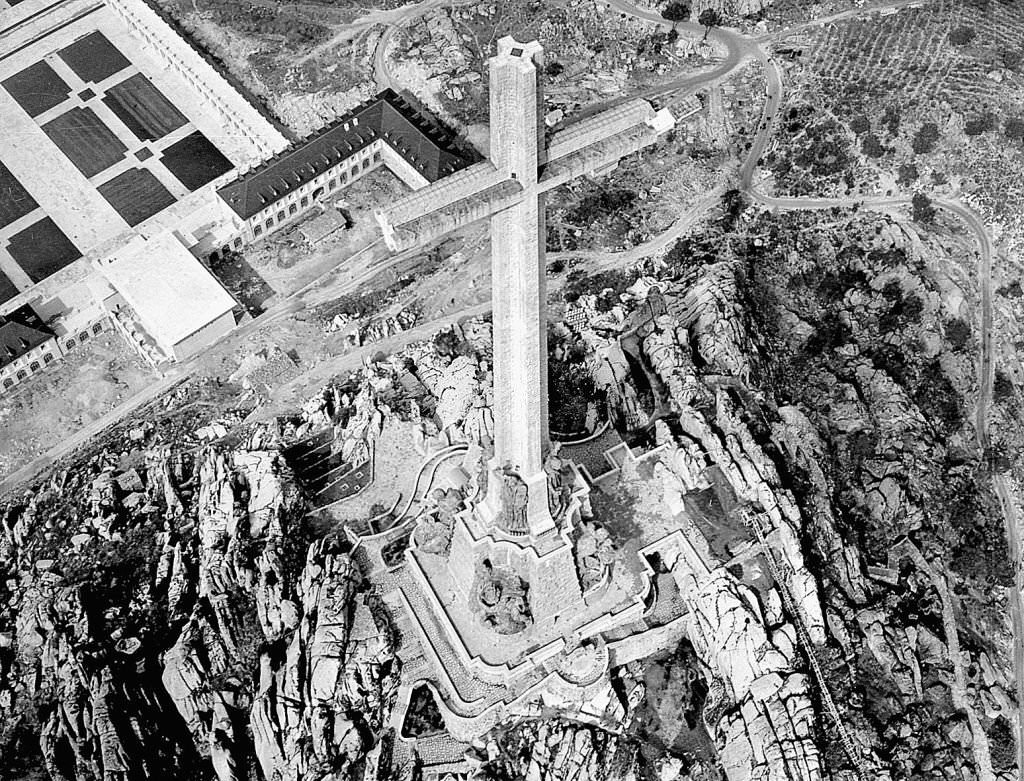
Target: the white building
(175, 299)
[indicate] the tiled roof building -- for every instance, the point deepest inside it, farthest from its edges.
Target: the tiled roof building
(386, 130)
(27, 345)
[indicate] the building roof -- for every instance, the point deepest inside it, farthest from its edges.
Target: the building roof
(21, 331)
(173, 294)
(430, 148)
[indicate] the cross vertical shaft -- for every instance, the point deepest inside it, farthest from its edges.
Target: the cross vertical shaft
(518, 280)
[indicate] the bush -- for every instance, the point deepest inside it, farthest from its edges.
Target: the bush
(891, 120)
(1011, 58)
(922, 209)
(872, 146)
(1014, 128)
(958, 334)
(709, 17)
(607, 285)
(677, 11)
(553, 68)
(982, 123)
(908, 173)
(1002, 386)
(450, 344)
(570, 388)
(938, 398)
(962, 35)
(860, 124)
(1002, 743)
(926, 138)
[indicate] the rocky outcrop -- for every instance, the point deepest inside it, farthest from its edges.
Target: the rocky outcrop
(324, 694)
(761, 714)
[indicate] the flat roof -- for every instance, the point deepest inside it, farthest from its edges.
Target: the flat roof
(427, 146)
(173, 294)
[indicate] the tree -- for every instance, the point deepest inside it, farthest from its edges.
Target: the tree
(709, 18)
(860, 124)
(958, 333)
(962, 35)
(1011, 58)
(553, 68)
(907, 174)
(922, 208)
(1002, 386)
(1014, 128)
(926, 139)
(677, 11)
(872, 146)
(982, 123)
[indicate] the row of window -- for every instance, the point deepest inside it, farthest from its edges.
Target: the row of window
(83, 337)
(332, 184)
(33, 367)
(47, 358)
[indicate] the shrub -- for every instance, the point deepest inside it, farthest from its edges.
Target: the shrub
(938, 398)
(962, 35)
(872, 146)
(1002, 386)
(958, 333)
(608, 285)
(922, 209)
(1014, 128)
(709, 17)
(677, 11)
(449, 343)
(1002, 743)
(570, 388)
(907, 174)
(1011, 58)
(860, 124)
(982, 123)
(926, 138)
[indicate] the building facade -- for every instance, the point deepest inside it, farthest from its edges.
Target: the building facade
(385, 131)
(27, 347)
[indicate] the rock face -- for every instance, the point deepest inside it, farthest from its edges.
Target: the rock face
(239, 625)
(762, 714)
(322, 701)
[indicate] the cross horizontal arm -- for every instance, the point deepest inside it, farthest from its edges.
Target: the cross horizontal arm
(437, 222)
(598, 127)
(470, 182)
(592, 158)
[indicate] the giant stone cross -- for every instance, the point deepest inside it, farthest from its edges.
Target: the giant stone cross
(509, 188)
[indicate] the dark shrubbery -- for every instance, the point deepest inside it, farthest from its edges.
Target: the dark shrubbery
(938, 398)
(926, 138)
(962, 35)
(871, 146)
(982, 123)
(570, 389)
(676, 11)
(1013, 129)
(1002, 386)
(908, 173)
(607, 285)
(958, 334)
(921, 208)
